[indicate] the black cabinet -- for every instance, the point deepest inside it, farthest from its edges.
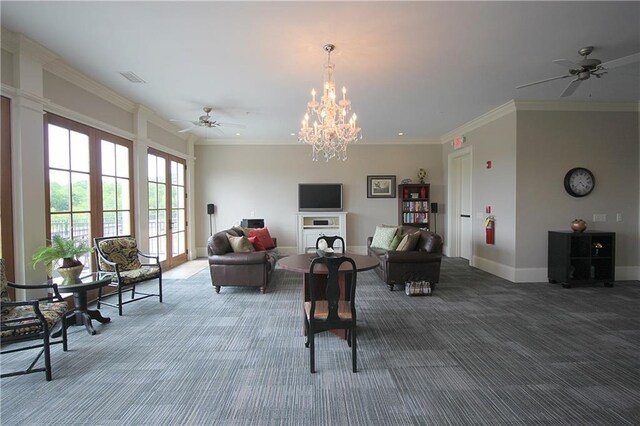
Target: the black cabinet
(582, 257)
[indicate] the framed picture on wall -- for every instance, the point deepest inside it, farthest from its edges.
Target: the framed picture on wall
(381, 187)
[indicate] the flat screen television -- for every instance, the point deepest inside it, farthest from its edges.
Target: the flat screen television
(325, 197)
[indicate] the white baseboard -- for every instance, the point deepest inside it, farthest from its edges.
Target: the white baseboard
(531, 275)
(627, 273)
(495, 268)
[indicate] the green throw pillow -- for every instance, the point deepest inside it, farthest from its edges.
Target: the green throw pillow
(393, 246)
(382, 237)
(240, 244)
(409, 242)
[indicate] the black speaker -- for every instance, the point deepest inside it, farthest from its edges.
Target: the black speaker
(434, 207)
(211, 208)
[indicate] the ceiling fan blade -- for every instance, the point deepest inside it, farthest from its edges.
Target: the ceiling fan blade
(566, 63)
(543, 81)
(187, 129)
(568, 91)
(621, 61)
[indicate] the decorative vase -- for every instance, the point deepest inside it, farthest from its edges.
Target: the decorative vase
(578, 225)
(406, 193)
(71, 274)
(423, 192)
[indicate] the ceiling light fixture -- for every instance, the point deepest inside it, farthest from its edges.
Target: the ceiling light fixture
(331, 132)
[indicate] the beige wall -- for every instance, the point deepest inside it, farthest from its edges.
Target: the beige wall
(63, 93)
(531, 151)
(264, 180)
(168, 139)
(6, 67)
(550, 144)
(495, 187)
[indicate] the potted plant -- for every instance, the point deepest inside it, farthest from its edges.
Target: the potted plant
(66, 249)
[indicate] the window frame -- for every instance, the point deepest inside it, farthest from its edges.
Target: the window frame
(95, 136)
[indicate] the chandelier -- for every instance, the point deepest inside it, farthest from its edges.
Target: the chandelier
(331, 132)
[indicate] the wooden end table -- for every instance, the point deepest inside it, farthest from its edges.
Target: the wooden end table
(81, 315)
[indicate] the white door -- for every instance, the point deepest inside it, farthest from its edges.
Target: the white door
(459, 215)
(465, 207)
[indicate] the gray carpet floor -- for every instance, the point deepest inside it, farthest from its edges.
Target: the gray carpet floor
(479, 351)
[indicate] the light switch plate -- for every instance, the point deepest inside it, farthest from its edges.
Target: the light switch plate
(599, 217)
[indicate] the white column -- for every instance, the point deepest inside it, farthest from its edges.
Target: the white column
(27, 157)
(140, 172)
(190, 188)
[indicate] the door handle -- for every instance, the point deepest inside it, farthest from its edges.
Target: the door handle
(465, 215)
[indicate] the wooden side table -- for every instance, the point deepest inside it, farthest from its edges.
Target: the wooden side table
(81, 315)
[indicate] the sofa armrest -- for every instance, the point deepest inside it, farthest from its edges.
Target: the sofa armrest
(412, 257)
(254, 257)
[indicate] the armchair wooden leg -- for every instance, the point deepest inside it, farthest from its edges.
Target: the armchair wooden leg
(133, 292)
(217, 288)
(160, 288)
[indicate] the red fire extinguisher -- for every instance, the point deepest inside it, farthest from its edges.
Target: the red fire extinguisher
(490, 229)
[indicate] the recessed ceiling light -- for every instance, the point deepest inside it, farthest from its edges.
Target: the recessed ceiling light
(293, 134)
(400, 134)
(237, 134)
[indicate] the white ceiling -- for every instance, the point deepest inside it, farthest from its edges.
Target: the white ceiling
(422, 68)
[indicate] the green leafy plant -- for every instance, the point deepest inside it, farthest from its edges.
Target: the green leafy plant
(61, 248)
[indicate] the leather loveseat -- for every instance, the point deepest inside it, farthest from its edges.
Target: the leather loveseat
(421, 263)
(228, 268)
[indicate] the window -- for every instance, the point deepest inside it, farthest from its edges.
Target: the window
(89, 182)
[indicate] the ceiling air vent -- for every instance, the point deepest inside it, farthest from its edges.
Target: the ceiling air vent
(132, 77)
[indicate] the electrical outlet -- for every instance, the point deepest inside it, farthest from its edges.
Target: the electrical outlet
(618, 217)
(599, 217)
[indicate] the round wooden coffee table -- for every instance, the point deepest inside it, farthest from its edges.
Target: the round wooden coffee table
(81, 315)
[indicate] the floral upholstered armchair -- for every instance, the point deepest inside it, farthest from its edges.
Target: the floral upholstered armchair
(30, 320)
(121, 255)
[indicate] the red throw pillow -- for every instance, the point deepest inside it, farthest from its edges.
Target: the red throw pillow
(257, 244)
(263, 237)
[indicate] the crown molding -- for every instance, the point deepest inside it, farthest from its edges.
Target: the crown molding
(75, 77)
(89, 121)
(524, 105)
(294, 141)
(19, 44)
(480, 121)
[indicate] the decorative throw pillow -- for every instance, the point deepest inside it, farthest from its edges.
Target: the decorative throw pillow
(256, 243)
(382, 237)
(393, 246)
(409, 242)
(263, 236)
(240, 244)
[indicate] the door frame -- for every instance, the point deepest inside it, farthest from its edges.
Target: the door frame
(453, 210)
(172, 261)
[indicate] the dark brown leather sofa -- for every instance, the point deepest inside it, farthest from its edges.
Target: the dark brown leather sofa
(423, 263)
(238, 269)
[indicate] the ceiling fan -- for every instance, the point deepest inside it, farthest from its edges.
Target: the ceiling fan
(206, 121)
(585, 68)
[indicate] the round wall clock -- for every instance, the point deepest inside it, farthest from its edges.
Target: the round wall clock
(579, 182)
